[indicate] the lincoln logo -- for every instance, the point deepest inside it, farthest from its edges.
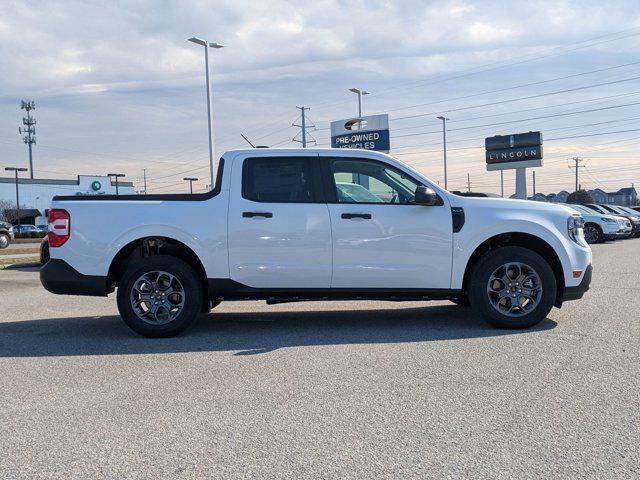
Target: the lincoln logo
(523, 154)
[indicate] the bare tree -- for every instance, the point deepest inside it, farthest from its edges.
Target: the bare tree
(6, 213)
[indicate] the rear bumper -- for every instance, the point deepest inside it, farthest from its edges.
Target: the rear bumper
(576, 293)
(57, 276)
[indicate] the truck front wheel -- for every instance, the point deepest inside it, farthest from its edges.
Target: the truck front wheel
(512, 287)
(159, 296)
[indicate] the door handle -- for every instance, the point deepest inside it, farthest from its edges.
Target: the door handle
(366, 216)
(257, 214)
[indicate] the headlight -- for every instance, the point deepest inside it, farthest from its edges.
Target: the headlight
(575, 225)
(608, 220)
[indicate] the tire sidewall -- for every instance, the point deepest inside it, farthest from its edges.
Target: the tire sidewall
(187, 277)
(4, 235)
(488, 264)
(599, 234)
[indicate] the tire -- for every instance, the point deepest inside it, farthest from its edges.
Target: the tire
(153, 276)
(593, 233)
(527, 310)
(5, 240)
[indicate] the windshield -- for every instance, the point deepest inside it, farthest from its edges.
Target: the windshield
(589, 209)
(618, 209)
(598, 209)
(629, 211)
(582, 209)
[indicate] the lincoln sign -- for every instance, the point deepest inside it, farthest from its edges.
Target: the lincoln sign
(369, 133)
(521, 150)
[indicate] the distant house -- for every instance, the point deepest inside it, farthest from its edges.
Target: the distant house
(539, 197)
(625, 196)
(560, 197)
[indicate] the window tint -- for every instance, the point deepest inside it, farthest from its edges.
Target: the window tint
(366, 181)
(279, 180)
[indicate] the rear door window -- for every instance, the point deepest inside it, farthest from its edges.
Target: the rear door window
(285, 180)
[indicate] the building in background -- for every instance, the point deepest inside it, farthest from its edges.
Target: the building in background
(626, 197)
(36, 194)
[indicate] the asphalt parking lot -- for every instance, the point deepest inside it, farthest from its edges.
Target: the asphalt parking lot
(313, 390)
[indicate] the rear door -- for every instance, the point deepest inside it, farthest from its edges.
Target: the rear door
(381, 239)
(279, 226)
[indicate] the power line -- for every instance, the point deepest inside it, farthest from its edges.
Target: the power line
(528, 97)
(540, 117)
(530, 84)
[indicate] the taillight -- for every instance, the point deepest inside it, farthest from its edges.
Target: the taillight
(59, 227)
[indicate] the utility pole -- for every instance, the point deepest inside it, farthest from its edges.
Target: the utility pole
(144, 176)
(16, 170)
(444, 147)
(502, 183)
(190, 180)
(534, 183)
(577, 166)
(29, 130)
(303, 126)
(468, 183)
(117, 176)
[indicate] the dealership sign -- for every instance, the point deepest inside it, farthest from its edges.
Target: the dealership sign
(369, 133)
(522, 150)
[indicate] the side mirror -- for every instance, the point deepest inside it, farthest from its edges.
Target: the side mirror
(425, 196)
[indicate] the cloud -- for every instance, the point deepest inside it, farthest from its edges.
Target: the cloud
(119, 78)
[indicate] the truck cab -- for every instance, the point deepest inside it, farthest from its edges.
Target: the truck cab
(315, 224)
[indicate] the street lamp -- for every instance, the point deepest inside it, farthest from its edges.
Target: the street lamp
(116, 175)
(16, 170)
(360, 93)
(207, 44)
(444, 146)
(190, 180)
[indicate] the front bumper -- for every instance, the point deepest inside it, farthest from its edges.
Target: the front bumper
(576, 293)
(57, 276)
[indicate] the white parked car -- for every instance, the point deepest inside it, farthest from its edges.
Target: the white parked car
(279, 227)
(624, 221)
(599, 227)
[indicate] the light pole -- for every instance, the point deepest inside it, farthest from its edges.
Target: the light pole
(190, 180)
(360, 93)
(444, 146)
(206, 46)
(117, 176)
(16, 170)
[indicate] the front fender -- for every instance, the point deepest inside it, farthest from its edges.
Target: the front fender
(468, 240)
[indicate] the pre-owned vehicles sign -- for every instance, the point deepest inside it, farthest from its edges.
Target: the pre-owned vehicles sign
(368, 132)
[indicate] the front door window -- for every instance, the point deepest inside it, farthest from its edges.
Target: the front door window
(366, 181)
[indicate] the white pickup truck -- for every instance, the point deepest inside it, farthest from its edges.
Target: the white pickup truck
(286, 225)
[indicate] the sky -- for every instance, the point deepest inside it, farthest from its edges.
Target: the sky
(118, 87)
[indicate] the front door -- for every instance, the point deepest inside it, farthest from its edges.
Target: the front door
(381, 239)
(279, 227)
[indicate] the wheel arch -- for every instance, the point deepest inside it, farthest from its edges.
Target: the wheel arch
(154, 245)
(519, 239)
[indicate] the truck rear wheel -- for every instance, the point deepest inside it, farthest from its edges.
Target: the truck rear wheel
(512, 288)
(159, 296)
